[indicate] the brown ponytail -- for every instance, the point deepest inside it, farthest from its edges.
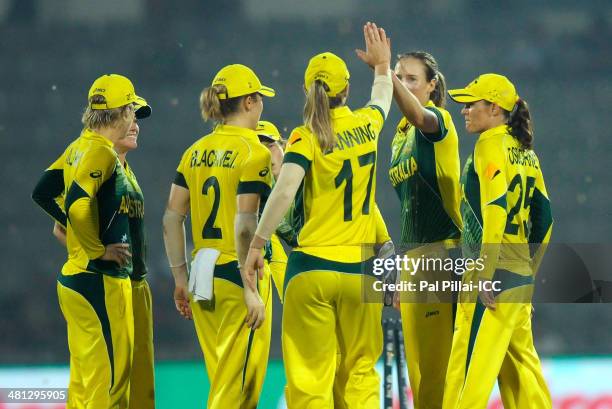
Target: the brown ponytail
(212, 107)
(519, 121)
(432, 72)
(317, 115)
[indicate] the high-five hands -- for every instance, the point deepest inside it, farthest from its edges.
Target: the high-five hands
(378, 48)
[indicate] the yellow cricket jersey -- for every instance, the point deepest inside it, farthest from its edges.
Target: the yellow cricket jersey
(339, 186)
(425, 173)
(228, 162)
(97, 205)
(504, 199)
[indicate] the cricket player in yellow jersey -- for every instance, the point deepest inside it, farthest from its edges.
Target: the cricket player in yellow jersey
(50, 191)
(332, 159)
(505, 206)
(425, 172)
(94, 288)
(223, 177)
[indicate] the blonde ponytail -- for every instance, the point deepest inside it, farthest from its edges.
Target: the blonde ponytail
(317, 117)
(217, 109)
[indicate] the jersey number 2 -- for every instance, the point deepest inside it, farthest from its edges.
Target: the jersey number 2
(209, 231)
(346, 175)
(524, 200)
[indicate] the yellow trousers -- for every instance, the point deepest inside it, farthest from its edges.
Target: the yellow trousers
(100, 323)
(142, 379)
(331, 341)
(236, 357)
(490, 345)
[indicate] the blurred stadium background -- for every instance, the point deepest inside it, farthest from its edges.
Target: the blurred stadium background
(557, 52)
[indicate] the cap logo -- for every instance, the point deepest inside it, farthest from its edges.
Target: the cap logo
(100, 90)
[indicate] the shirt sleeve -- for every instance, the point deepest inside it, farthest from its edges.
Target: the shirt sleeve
(442, 125)
(95, 168)
(300, 149)
(256, 175)
(48, 192)
(540, 213)
(179, 178)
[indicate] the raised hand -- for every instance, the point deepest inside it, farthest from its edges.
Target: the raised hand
(378, 48)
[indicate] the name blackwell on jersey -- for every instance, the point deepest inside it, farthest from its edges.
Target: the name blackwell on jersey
(213, 158)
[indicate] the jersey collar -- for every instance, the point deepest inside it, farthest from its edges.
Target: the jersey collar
(500, 129)
(339, 112)
(93, 135)
(231, 130)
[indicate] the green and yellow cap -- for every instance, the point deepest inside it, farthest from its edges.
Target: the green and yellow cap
(330, 69)
(494, 88)
(118, 91)
(240, 80)
(268, 130)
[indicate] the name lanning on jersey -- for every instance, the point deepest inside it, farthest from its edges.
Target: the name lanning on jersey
(213, 158)
(357, 136)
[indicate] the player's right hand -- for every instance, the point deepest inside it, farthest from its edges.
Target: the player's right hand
(256, 310)
(117, 252)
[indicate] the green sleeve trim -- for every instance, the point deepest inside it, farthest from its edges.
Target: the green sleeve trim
(261, 188)
(49, 187)
(500, 201)
(298, 159)
(74, 193)
(541, 217)
(441, 134)
(179, 180)
(380, 110)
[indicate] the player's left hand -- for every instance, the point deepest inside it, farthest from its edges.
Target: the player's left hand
(488, 299)
(378, 46)
(181, 301)
(253, 268)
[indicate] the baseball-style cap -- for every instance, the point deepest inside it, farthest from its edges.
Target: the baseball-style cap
(330, 69)
(267, 130)
(118, 91)
(490, 87)
(240, 80)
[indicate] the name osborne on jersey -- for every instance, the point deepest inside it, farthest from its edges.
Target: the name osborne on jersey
(520, 156)
(213, 158)
(357, 136)
(402, 171)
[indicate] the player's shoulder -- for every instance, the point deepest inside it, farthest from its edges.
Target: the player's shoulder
(370, 112)
(301, 135)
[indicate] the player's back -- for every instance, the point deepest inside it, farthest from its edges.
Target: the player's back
(500, 155)
(216, 168)
(339, 186)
